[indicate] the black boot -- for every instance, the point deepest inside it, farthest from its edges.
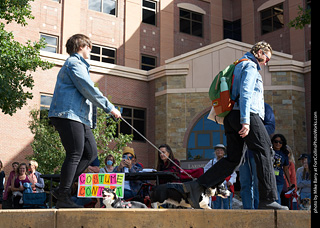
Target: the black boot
(64, 201)
(193, 190)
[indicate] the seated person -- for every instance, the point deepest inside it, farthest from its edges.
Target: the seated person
(17, 185)
(131, 188)
(7, 195)
(38, 182)
(304, 180)
(219, 202)
(109, 161)
(135, 162)
(164, 164)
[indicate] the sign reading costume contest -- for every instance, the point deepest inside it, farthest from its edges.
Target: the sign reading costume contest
(92, 184)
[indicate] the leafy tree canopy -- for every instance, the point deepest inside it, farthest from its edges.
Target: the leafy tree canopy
(17, 61)
(303, 18)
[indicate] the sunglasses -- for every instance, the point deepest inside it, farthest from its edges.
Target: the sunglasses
(268, 59)
(127, 157)
(277, 141)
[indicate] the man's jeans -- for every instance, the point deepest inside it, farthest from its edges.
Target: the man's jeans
(81, 150)
(258, 141)
(249, 183)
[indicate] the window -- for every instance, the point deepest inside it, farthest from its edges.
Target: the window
(104, 6)
(103, 54)
(272, 19)
(203, 137)
(148, 62)
(191, 22)
(137, 118)
(149, 12)
(232, 30)
(45, 102)
(52, 43)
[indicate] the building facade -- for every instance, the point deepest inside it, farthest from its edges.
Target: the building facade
(157, 58)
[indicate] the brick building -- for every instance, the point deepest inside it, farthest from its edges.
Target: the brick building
(157, 58)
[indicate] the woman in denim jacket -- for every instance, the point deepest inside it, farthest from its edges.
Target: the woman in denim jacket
(73, 114)
(244, 124)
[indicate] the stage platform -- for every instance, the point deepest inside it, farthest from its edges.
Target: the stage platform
(152, 218)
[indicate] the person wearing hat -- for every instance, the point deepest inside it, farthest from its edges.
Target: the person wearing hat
(302, 158)
(219, 202)
(131, 188)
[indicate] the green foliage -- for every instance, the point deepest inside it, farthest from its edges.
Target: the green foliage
(108, 141)
(47, 148)
(16, 10)
(303, 18)
(49, 152)
(17, 61)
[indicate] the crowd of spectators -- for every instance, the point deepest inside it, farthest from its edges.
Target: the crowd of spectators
(292, 185)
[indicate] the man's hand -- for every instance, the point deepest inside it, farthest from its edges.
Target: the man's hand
(244, 130)
(116, 113)
(121, 165)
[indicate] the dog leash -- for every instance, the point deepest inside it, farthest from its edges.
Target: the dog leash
(157, 148)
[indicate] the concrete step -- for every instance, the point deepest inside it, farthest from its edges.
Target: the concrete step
(152, 218)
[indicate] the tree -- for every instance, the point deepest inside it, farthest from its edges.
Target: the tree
(17, 61)
(107, 138)
(48, 150)
(303, 18)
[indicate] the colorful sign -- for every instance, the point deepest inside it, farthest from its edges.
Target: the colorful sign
(92, 184)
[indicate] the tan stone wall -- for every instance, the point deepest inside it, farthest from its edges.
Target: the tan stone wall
(155, 218)
(289, 109)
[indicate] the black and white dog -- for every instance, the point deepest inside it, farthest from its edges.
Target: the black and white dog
(173, 193)
(111, 200)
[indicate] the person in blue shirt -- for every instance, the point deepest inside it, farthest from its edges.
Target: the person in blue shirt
(73, 114)
(244, 125)
(281, 162)
(248, 171)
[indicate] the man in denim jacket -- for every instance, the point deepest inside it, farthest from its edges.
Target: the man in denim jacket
(244, 124)
(73, 114)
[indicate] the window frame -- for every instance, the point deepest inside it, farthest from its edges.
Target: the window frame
(49, 45)
(43, 106)
(150, 9)
(131, 120)
(148, 65)
(191, 21)
(195, 133)
(101, 11)
(271, 17)
(101, 56)
(233, 31)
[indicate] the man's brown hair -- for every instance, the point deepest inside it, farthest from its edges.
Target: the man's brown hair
(76, 41)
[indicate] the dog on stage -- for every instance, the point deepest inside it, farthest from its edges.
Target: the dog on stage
(305, 204)
(173, 193)
(111, 200)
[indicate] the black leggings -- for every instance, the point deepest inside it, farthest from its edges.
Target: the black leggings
(81, 150)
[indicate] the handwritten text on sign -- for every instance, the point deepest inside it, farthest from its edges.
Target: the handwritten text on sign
(92, 184)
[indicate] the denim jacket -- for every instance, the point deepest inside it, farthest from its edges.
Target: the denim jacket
(248, 83)
(75, 96)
